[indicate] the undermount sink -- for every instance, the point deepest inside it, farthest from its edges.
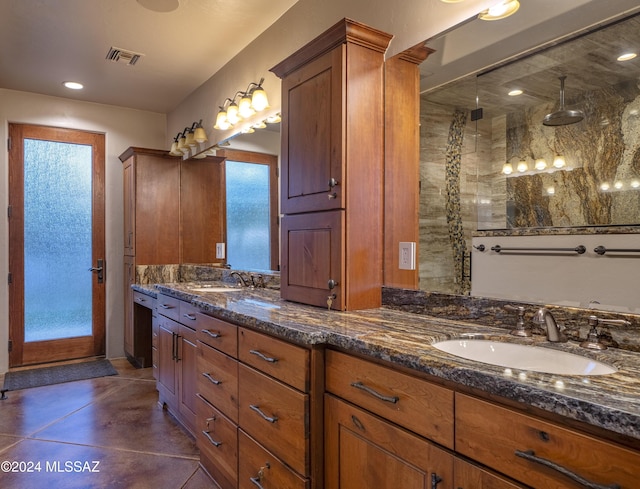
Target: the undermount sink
(207, 288)
(524, 357)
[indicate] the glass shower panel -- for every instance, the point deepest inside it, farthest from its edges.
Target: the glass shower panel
(247, 186)
(57, 240)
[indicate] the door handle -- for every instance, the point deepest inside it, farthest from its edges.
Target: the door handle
(100, 270)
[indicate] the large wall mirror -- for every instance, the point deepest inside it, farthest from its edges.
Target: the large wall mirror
(500, 151)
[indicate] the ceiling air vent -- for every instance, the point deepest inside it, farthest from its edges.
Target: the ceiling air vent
(118, 55)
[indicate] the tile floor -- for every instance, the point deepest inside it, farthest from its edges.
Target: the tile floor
(108, 432)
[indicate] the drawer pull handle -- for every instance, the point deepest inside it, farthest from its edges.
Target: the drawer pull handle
(211, 379)
(166, 306)
(377, 395)
(264, 416)
(190, 316)
(140, 299)
(435, 480)
(213, 442)
(211, 333)
(531, 456)
(256, 481)
(263, 356)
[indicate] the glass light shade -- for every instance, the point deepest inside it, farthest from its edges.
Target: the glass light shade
(522, 166)
(174, 149)
(221, 121)
(604, 187)
(200, 135)
(248, 130)
(244, 107)
(274, 119)
(618, 185)
(191, 140)
(559, 161)
(182, 143)
(232, 114)
(259, 99)
(635, 184)
(500, 11)
(507, 169)
(540, 164)
(260, 125)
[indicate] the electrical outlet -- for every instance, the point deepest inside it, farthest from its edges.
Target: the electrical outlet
(407, 256)
(220, 250)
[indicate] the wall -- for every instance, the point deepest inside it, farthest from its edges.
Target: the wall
(123, 128)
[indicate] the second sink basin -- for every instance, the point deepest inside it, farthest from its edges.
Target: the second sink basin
(206, 288)
(524, 357)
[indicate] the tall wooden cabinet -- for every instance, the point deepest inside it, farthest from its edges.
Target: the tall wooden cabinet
(332, 168)
(171, 216)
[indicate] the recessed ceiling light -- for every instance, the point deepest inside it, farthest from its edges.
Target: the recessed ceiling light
(500, 11)
(515, 93)
(627, 56)
(160, 5)
(73, 85)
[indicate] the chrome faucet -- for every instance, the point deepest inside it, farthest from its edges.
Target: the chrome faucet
(545, 319)
(241, 280)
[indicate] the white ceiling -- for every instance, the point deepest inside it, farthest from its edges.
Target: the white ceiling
(46, 42)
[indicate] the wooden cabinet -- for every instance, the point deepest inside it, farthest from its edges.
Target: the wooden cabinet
(171, 216)
(363, 450)
(177, 362)
(537, 452)
(470, 476)
(377, 421)
(332, 160)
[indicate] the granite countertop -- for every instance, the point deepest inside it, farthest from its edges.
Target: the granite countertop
(611, 402)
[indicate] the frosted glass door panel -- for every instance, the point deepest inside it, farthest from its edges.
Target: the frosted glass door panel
(57, 240)
(248, 215)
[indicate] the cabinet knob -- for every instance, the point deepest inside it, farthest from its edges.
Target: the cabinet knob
(332, 284)
(332, 182)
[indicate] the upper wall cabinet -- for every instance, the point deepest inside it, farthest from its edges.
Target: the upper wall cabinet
(333, 160)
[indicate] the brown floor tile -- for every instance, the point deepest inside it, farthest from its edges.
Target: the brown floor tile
(200, 480)
(73, 466)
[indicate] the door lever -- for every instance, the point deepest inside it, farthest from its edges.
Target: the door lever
(100, 270)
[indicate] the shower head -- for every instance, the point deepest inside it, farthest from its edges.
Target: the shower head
(563, 116)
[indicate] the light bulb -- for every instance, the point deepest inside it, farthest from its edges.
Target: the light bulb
(191, 140)
(200, 135)
(522, 166)
(221, 121)
(500, 11)
(507, 169)
(559, 161)
(541, 164)
(232, 114)
(244, 107)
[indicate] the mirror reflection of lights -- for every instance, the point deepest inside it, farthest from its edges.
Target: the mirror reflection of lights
(604, 186)
(540, 164)
(507, 169)
(559, 384)
(627, 56)
(522, 376)
(551, 190)
(635, 184)
(618, 185)
(515, 93)
(522, 166)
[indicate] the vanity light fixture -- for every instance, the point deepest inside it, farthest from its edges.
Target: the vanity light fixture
(635, 183)
(507, 168)
(500, 11)
(174, 146)
(540, 164)
(604, 186)
(618, 185)
(627, 56)
(252, 100)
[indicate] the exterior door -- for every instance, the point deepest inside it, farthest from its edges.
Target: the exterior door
(56, 244)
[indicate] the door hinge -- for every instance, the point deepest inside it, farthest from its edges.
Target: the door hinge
(10, 278)
(8, 144)
(10, 345)
(9, 212)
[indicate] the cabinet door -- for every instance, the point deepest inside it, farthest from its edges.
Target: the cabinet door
(469, 476)
(167, 350)
(187, 369)
(312, 256)
(129, 278)
(364, 451)
(312, 134)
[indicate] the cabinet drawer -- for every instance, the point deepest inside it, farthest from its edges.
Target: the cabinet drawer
(527, 448)
(169, 307)
(276, 415)
(219, 334)
(469, 476)
(142, 299)
(259, 466)
(218, 380)
(188, 314)
(416, 404)
(217, 439)
(284, 361)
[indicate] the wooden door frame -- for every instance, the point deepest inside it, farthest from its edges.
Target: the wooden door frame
(73, 347)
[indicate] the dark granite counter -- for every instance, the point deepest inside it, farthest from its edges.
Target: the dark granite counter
(611, 402)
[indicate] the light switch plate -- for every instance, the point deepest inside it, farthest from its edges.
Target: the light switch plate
(407, 256)
(219, 250)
